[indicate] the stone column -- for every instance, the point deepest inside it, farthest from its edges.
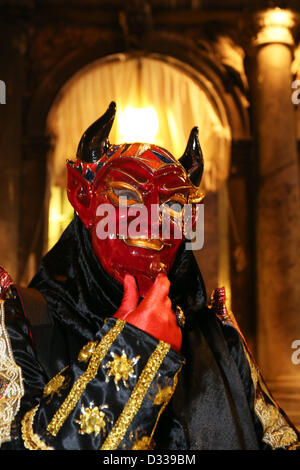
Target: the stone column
(277, 208)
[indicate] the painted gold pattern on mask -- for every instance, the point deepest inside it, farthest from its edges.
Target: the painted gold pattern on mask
(195, 196)
(79, 386)
(134, 178)
(139, 392)
(155, 244)
(31, 440)
(121, 368)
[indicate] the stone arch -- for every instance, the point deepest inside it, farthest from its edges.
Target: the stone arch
(196, 60)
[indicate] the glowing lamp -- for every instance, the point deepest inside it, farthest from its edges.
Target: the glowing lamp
(138, 124)
(275, 24)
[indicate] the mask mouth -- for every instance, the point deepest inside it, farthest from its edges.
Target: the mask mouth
(155, 244)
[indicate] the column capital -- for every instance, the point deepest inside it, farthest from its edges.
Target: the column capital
(274, 25)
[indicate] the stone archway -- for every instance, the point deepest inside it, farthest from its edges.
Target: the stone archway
(197, 61)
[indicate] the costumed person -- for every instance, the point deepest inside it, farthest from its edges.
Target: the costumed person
(113, 345)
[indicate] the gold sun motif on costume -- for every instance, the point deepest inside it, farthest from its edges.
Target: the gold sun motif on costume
(92, 420)
(121, 368)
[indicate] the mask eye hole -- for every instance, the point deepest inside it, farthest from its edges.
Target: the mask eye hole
(174, 207)
(122, 194)
(125, 196)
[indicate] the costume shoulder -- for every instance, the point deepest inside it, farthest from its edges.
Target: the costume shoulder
(274, 428)
(110, 396)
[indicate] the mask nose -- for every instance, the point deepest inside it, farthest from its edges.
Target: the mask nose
(154, 215)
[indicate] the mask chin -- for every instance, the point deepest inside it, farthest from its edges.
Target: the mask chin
(119, 259)
(145, 282)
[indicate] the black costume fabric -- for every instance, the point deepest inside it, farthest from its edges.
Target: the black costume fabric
(212, 406)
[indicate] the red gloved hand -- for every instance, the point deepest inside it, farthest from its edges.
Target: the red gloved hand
(154, 314)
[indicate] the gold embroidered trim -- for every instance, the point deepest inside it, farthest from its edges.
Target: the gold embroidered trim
(145, 443)
(167, 399)
(31, 440)
(11, 382)
(277, 432)
(138, 394)
(78, 388)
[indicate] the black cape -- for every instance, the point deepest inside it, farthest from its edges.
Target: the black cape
(211, 407)
(213, 404)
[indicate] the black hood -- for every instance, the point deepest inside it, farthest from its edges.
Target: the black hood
(79, 292)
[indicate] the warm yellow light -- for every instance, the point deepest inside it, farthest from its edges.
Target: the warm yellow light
(138, 124)
(275, 26)
(60, 214)
(278, 17)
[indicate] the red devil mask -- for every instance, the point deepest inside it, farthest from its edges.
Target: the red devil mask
(131, 197)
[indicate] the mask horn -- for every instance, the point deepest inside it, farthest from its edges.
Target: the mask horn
(192, 159)
(94, 141)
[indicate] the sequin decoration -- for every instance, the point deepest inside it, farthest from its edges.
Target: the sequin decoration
(163, 395)
(121, 368)
(79, 386)
(87, 351)
(5, 282)
(145, 443)
(137, 396)
(93, 420)
(55, 385)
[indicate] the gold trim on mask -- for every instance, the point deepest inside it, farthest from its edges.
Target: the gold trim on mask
(177, 188)
(128, 175)
(155, 244)
(121, 185)
(196, 196)
(179, 199)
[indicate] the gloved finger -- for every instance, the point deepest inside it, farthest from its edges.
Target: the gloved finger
(130, 296)
(159, 290)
